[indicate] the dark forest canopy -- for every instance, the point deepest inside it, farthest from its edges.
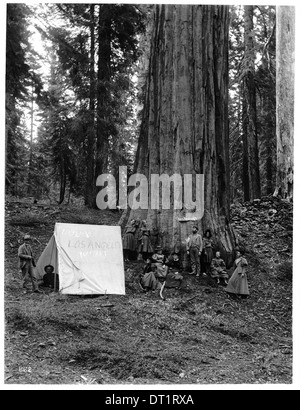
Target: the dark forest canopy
(75, 105)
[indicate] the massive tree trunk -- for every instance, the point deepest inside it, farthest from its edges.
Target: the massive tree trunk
(285, 51)
(185, 120)
(251, 176)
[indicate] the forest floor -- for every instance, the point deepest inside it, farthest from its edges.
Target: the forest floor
(197, 335)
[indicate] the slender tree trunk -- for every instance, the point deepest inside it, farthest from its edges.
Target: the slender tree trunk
(103, 84)
(30, 165)
(63, 178)
(90, 196)
(251, 176)
(63, 181)
(285, 65)
(269, 138)
(269, 171)
(184, 126)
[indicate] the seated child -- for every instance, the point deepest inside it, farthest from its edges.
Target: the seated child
(49, 276)
(159, 259)
(158, 256)
(174, 262)
(218, 269)
(174, 278)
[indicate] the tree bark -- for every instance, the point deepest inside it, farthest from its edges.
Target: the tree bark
(285, 65)
(184, 126)
(251, 175)
(30, 164)
(62, 174)
(91, 132)
(103, 92)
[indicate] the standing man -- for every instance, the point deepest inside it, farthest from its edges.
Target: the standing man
(194, 249)
(27, 263)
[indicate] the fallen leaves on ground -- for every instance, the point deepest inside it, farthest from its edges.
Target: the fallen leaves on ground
(197, 335)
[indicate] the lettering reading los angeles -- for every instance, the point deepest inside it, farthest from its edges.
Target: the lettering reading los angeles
(92, 245)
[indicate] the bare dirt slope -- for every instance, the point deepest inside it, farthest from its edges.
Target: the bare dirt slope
(197, 335)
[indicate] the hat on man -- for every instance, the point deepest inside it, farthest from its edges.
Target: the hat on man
(27, 236)
(158, 248)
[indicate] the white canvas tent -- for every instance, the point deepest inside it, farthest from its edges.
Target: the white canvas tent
(87, 258)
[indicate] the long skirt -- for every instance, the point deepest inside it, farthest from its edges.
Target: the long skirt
(145, 246)
(149, 281)
(206, 258)
(173, 280)
(237, 284)
(161, 270)
(129, 242)
(209, 255)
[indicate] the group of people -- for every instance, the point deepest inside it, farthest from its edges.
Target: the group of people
(133, 244)
(204, 260)
(158, 267)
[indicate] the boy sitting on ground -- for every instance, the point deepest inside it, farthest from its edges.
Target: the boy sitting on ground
(49, 277)
(218, 269)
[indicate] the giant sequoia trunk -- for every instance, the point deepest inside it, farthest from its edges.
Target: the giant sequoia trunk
(285, 51)
(185, 120)
(251, 176)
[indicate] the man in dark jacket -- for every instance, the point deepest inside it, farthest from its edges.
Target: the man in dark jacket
(26, 263)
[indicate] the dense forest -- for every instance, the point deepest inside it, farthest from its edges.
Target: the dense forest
(92, 87)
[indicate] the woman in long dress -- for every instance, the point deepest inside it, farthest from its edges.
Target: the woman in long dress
(238, 283)
(207, 254)
(129, 246)
(159, 260)
(174, 278)
(148, 279)
(145, 247)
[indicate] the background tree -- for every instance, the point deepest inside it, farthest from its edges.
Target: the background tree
(20, 79)
(261, 78)
(285, 100)
(236, 50)
(265, 79)
(251, 175)
(100, 59)
(101, 128)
